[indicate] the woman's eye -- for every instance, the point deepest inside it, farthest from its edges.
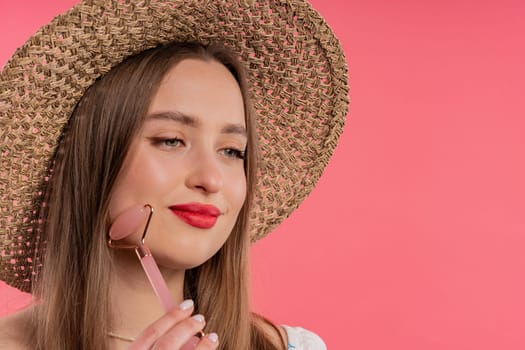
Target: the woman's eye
(167, 142)
(234, 153)
(171, 142)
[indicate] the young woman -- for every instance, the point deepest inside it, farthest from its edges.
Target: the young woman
(118, 109)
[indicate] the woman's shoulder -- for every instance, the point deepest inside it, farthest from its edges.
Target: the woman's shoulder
(303, 339)
(12, 331)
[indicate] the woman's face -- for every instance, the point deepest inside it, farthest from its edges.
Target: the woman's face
(187, 163)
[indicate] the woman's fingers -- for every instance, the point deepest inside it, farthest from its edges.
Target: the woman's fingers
(176, 331)
(176, 321)
(180, 334)
(208, 342)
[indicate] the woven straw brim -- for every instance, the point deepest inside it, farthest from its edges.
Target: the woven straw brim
(296, 69)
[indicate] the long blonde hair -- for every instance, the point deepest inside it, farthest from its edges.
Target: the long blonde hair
(73, 284)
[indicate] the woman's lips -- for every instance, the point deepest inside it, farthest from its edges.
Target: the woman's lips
(197, 214)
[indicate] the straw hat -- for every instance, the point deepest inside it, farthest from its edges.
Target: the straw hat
(295, 65)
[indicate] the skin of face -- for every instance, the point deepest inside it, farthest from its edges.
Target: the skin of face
(189, 150)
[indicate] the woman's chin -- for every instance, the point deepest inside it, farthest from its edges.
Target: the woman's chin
(182, 259)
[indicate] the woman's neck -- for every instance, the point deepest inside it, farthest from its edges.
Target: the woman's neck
(134, 304)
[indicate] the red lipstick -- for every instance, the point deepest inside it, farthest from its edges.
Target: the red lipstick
(197, 214)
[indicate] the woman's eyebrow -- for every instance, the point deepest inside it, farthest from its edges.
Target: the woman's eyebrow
(192, 121)
(175, 116)
(234, 129)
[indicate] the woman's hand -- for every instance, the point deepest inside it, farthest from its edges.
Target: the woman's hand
(176, 331)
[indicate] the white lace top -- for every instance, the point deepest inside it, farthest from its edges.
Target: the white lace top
(302, 339)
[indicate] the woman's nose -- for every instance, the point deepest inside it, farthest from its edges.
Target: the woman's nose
(205, 174)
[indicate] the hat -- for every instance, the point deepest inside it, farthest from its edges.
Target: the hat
(295, 67)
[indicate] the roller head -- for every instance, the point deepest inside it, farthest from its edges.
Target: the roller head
(128, 222)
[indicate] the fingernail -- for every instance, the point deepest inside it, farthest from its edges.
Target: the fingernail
(198, 318)
(213, 337)
(186, 304)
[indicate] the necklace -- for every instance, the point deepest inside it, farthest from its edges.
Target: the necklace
(130, 340)
(120, 337)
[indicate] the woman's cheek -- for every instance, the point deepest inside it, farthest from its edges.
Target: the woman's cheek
(239, 192)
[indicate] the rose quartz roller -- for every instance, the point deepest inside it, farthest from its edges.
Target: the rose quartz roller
(128, 223)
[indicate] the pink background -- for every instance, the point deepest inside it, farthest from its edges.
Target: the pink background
(414, 237)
